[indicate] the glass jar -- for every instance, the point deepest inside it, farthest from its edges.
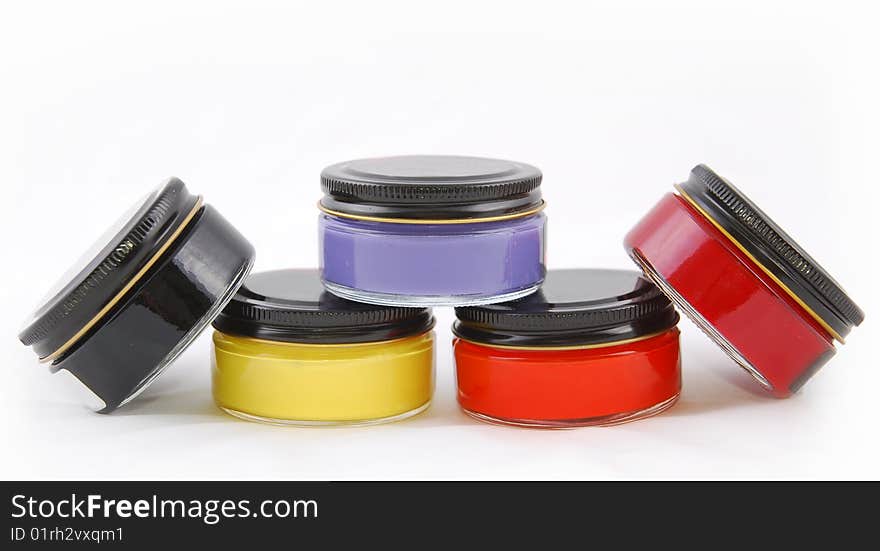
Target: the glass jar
(287, 352)
(431, 230)
(140, 296)
(592, 347)
(743, 280)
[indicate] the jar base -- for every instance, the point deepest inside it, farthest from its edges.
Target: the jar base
(388, 299)
(603, 421)
(698, 319)
(343, 423)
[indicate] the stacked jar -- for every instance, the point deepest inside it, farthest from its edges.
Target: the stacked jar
(532, 348)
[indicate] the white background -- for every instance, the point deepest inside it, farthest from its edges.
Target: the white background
(246, 103)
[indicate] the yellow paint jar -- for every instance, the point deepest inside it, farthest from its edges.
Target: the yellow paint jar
(288, 352)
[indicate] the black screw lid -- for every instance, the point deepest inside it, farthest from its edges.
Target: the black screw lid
(573, 308)
(772, 248)
(292, 306)
(108, 266)
(431, 187)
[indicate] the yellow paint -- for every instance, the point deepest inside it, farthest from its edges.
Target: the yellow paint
(341, 383)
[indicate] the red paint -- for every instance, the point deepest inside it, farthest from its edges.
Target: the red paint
(736, 297)
(574, 387)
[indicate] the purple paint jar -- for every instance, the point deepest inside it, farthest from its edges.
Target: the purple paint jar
(432, 230)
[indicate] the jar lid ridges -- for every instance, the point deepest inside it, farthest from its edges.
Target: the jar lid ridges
(765, 231)
(272, 315)
(653, 304)
(426, 187)
(148, 226)
(427, 193)
(573, 308)
(292, 306)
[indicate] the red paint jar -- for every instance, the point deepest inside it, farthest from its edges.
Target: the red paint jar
(743, 280)
(591, 347)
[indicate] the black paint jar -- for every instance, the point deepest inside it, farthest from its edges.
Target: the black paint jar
(144, 292)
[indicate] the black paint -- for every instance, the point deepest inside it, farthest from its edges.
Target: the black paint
(163, 312)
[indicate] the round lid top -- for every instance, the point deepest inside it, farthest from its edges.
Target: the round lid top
(578, 307)
(431, 187)
(108, 267)
(292, 306)
(772, 248)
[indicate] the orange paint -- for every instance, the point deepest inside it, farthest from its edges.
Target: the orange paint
(601, 385)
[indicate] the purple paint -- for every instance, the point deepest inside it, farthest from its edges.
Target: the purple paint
(432, 264)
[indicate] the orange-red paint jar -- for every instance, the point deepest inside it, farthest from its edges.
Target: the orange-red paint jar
(743, 280)
(592, 347)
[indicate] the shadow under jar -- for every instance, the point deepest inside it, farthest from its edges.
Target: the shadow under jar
(140, 296)
(431, 230)
(287, 352)
(743, 280)
(592, 347)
